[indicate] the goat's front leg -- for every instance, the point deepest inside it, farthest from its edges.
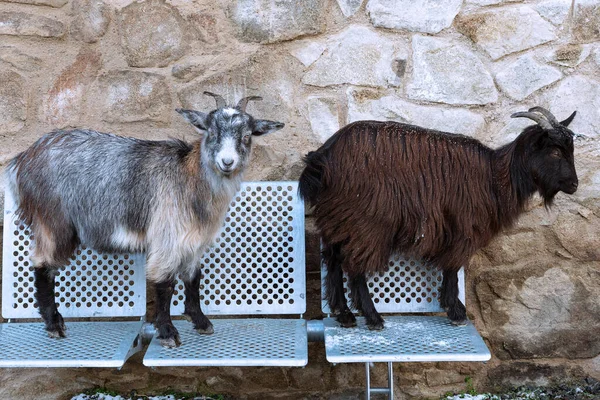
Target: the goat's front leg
(449, 301)
(193, 312)
(361, 300)
(167, 333)
(44, 294)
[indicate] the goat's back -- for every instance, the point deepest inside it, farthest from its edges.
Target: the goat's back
(428, 192)
(94, 183)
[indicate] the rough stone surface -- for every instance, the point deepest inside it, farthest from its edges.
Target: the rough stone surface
(51, 3)
(578, 235)
(488, 2)
(357, 56)
(265, 21)
(24, 24)
(506, 31)
(130, 96)
(529, 311)
(307, 52)
(555, 11)
(64, 103)
(324, 116)
(12, 102)
(581, 94)
(570, 55)
(18, 59)
(91, 20)
(428, 16)
(365, 104)
(153, 34)
(203, 67)
(511, 247)
(524, 76)
(586, 20)
(448, 72)
(349, 7)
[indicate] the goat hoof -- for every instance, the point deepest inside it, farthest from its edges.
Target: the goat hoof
(56, 329)
(378, 326)
(56, 333)
(346, 319)
(206, 331)
(461, 322)
(170, 343)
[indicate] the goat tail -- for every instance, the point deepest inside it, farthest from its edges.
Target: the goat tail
(310, 184)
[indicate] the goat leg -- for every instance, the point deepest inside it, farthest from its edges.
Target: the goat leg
(334, 286)
(193, 312)
(167, 333)
(361, 300)
(44, 294)
(457, 313)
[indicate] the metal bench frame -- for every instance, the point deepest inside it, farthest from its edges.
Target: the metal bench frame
(256, 267)
(408, 286)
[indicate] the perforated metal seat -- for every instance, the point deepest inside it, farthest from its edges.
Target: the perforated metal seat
(255, 268)
(408, 286)
(96, 285)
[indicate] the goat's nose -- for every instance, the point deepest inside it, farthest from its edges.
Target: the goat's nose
(227, 162)
(574, 185)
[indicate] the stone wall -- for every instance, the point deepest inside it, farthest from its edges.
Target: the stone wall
(459, 66)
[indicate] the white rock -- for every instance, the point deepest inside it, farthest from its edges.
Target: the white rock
(554, 11)
(324, 116)
(524, 76)
(362, 105)
(448, 72)
(569, 55)
(579, 93)
(308, 51)
(506, 30)
(429, 16)
(349, 7)
(358, 56)
(488, 2)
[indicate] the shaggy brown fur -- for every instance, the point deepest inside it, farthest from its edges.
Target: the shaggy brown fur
(385, 187)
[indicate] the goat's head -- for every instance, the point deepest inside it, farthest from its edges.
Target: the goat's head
(549, 153)
(227, 133)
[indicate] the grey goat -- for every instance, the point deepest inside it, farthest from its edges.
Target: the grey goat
(117, 194)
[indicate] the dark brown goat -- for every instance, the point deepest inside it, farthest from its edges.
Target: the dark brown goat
(385, 187)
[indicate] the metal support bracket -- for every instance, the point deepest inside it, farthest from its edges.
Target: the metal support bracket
(389, 390)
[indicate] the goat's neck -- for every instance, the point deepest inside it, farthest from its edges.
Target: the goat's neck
(512, 182)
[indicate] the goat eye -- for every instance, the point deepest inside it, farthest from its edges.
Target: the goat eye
(555, 153)
(246, 139)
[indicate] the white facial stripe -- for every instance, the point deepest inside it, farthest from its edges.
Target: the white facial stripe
(228, 152)
(230, 111)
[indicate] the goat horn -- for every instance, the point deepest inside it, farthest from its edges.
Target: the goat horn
(244, 102)
(543, 122)
(221, 103)
(551, 118)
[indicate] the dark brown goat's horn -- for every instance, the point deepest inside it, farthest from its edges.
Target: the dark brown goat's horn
(540, 119)
(549, 116)
(244, 102)
(221, 103)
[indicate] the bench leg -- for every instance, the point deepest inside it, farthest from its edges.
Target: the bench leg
(385, 390)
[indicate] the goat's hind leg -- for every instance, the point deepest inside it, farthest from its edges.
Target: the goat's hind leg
(167, 333)
(361, 300)
(457, 313)
(334, 286)
(44, 294)
(193, 312)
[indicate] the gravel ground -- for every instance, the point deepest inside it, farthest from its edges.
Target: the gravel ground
(589, 389)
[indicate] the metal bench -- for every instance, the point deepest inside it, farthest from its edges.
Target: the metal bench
(407, 287)
(93, 285)
(256, 267)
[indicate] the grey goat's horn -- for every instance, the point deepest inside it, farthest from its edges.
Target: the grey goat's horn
(540, 119)
(241, 105)
(221, 103)
(549, 116)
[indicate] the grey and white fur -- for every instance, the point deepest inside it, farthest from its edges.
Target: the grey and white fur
(118, 194)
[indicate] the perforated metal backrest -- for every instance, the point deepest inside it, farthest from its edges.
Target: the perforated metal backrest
(92, 285)
(408, 286)
(257, 263)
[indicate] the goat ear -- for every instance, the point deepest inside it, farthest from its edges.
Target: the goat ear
(196, 118)
(264, 126)
(567, 121)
